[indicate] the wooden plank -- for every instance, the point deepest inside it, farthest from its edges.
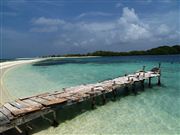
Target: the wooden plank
(18, 105)
(49, 102)
(78, 96)
(38, 100)
(63, 95)
(83, 95)
(72, 98)
(28, 107)
(3, 119)
(33, 103)
(56, 101)
(57, 92)
(15, 111)
(6, 112)
(23, 103)
(34, 96)
(50, 97)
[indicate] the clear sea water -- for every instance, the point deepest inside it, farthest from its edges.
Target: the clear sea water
(154, 111)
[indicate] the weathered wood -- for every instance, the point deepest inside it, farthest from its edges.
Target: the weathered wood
(26, 109)
(33, 103)
(72, 98)
(15, 111)
(39, 100)
(3, 119)
(6, 112)
(55, 101)
(18, 105)
(34, 96)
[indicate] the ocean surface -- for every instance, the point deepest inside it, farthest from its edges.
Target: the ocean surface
(153, 111)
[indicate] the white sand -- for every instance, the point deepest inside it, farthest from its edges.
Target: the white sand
(5, 96)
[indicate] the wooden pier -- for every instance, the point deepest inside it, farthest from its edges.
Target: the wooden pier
(24, 110)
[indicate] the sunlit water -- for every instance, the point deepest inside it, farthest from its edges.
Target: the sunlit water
(154, 111)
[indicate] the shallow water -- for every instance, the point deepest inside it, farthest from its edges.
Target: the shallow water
(154, 111)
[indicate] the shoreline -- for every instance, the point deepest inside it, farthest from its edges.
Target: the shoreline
(4, 68)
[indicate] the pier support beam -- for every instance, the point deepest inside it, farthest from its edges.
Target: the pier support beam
(27, 129)
(53, 122)
(126, 90)
(103, 98)
(159, 77)
(134, 88)
(114, 92)
(159, 80)
(149, 84)
(18, 129)
(93, 103)
(142, 84)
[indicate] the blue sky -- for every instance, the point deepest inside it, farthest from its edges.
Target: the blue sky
(43, 27)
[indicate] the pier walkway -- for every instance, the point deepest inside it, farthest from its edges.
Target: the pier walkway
(22, 111)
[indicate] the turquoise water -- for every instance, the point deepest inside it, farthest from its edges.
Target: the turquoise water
(155, 111)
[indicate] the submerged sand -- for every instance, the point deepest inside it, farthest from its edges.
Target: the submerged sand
(5, 96)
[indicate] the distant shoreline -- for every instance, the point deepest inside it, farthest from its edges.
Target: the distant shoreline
(110, 56)
(162, 50)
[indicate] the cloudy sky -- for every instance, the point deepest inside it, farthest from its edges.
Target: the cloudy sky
(43, 27)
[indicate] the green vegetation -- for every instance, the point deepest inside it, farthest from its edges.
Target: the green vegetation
(162, 50)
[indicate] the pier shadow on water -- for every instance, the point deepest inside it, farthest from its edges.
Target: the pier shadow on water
(66, 113)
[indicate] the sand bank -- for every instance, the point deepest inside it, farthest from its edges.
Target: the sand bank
(5, 96)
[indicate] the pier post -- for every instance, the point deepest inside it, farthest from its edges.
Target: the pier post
(93, 103)
(103, 98)
(54, 123)
(159, 77)
(18, 129)
(134, 88)
(142, 84)
(126, 89)
(114, 92)
(128, 78)
(149, 82)
(159, 80)
(27, 129)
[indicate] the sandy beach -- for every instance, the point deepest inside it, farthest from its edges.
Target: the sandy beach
(5, 96)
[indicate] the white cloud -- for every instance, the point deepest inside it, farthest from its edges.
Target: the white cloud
(95, 27)
(128, 28)
(47, 21)
(82, 15)
(44, 29)
(129, 16)
(163, 29)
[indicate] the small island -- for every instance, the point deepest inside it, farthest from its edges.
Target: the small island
(161, 50)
